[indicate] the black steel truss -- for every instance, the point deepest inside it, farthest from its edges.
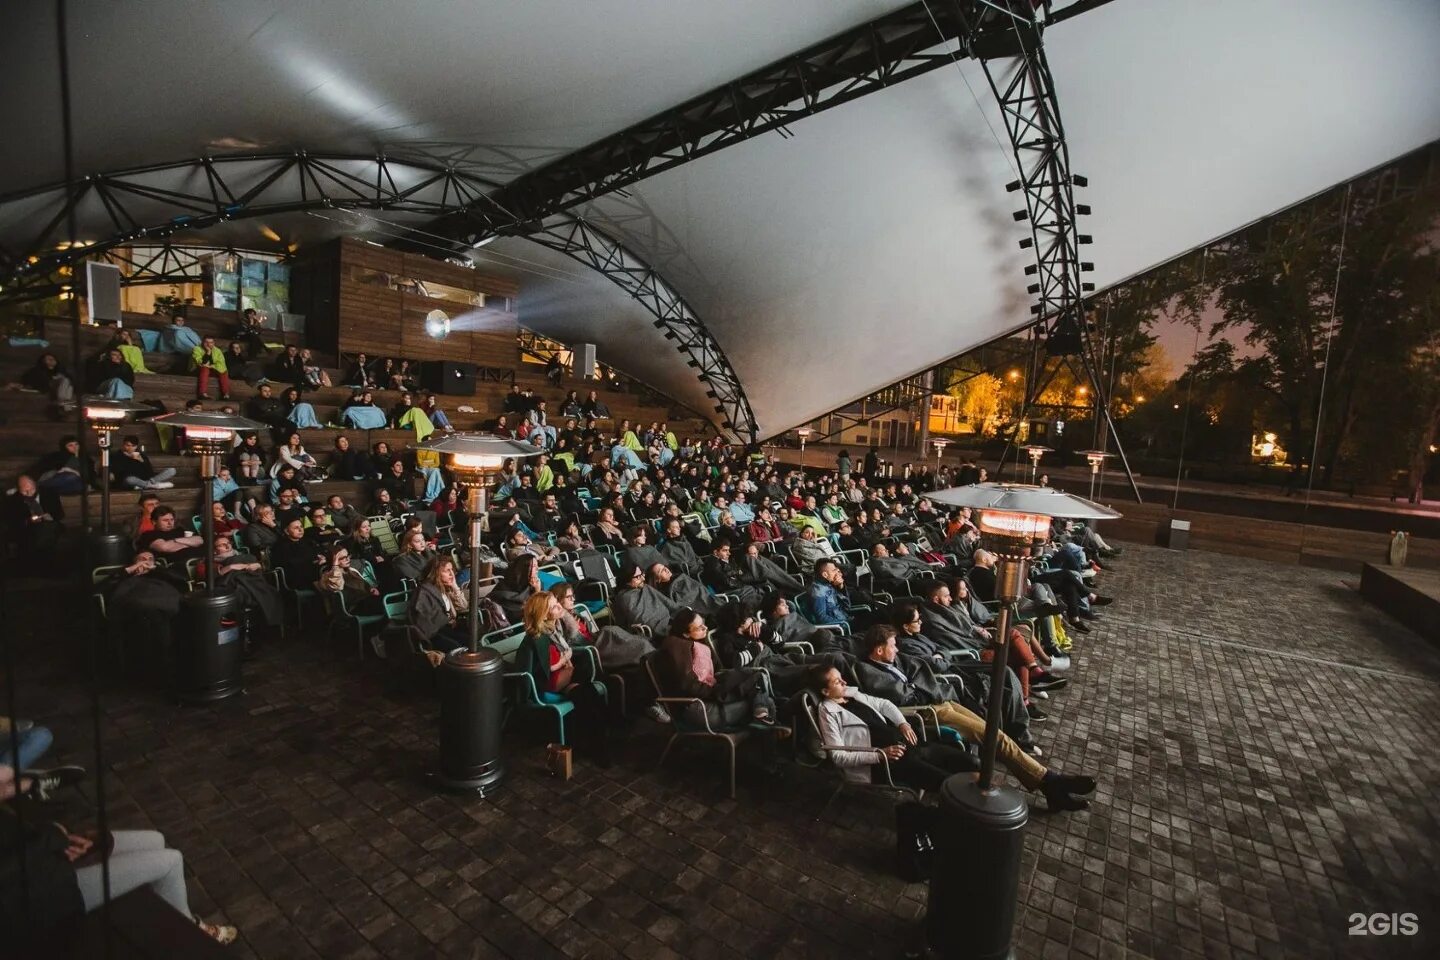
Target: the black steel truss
(160, 262)
(1031, 113)
(888, 50)
(583, 241)
(220, 189)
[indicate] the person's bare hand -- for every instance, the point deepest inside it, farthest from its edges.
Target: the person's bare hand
(908, 732)
(893, 752)
(77, 846)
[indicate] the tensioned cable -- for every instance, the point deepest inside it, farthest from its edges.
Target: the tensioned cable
(1009, 161)
(1325, 369)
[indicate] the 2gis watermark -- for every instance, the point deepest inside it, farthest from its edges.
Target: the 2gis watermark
(1383, 924)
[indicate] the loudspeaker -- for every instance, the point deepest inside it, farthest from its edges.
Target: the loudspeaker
(102, 285)
(582, 364)
(449, 377)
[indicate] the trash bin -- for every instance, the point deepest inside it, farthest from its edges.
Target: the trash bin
(975, 872)
(1175, 534)
(208, 648)
(472, 698)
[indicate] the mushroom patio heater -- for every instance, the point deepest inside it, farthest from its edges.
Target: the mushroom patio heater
(1096, 458)
(1036, 451)
(105, 416)
(939, 443)
(804, 434)
(208, 650)
(471, 680)
(980, 834)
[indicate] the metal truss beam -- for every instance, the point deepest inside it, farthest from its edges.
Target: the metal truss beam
(142, 264)
(888, 50)
(1025, 91)
(584, 242)
(149, 205)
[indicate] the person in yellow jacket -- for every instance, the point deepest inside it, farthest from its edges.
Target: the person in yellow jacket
(203, 360)
(628, 439)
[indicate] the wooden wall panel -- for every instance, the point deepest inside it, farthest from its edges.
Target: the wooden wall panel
(378, 320)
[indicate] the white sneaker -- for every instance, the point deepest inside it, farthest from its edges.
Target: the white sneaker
(1059, 663)
(162, 485)
(657, 713)
(1040, 694)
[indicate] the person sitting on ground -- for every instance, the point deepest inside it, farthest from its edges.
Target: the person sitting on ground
(727, 699)
(884, 673)
(289, 368)
(169, 540)
(246, 461)
(62, 473)
(112, 377)
(298, 413)
(430, 406)
(570, 406)
(267, 408)
(178, 338)
(250, 333)
(342, 578)
(48, 376)
(594, 408)
(315, 375)
(28, 524)
(64, 881)
(361, 413)
(360, 375)
(292, 453)
(251, 371)
(347, 463)
(131, 468)
(206, 360)
(863, 732)
(399, 481)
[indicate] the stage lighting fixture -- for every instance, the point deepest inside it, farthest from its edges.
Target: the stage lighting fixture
(711, 395)
(1021, 215)
(1079, 181)
(1085, 238)
(1033, 288)
(659, 324)
(437, 324)
(719, 409)
(1083, 209)
(1012, 186)
(1027, 243)
(1086, 266)
(693, 363)
(1035, 309)
(1087, 287)
(1031, 270)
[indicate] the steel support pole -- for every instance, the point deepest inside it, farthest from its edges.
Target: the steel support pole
(476, 507)
(1010, 576)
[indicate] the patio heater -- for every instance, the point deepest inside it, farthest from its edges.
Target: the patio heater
(980, 835)
(1096, 458)
(1036, 451)
(105, 417)
(471, 680)
(804, 434)
(939, 443)
(207, 643)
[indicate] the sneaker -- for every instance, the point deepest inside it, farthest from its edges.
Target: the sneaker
(162, 485)
(1048, 682)
(48, 782)
(1039, 694)
(1100, 601)
(221, 933)
(1058, 664)
(1036, 714)
(1079, 626)
(657, 713)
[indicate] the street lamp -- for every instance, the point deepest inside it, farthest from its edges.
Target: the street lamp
(472, 680)
(1095, 458)
(1036, 451)
(105, 416)
(976, 907)
(209, 650)
(804, 434)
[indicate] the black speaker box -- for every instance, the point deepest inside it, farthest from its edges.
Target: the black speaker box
(449, 377)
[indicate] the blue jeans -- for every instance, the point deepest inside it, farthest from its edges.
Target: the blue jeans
(116, 389)
(33, 745)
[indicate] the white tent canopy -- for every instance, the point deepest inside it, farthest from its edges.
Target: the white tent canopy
(873, 243)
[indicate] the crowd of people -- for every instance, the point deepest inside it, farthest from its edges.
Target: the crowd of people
(751, 592)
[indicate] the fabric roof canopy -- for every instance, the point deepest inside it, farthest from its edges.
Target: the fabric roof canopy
(875, 242)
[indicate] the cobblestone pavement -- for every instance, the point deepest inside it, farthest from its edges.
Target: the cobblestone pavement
(1261, 736)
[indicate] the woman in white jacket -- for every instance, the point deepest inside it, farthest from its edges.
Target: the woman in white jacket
(858, 730)
(292, 453)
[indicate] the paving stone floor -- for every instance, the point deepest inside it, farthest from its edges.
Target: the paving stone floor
(1264, 742)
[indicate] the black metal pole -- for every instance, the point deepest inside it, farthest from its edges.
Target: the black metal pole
(104, 441)
(476, 506)
(207, 479)
(997, 696)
